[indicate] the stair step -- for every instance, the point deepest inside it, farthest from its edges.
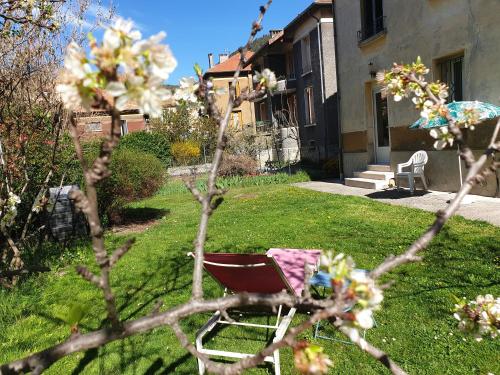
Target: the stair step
(375, 175)
(379, 167)
(366, 183)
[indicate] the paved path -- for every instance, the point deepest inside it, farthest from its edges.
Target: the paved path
(481, 208)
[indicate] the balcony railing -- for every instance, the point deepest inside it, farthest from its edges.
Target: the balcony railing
(369, 31)
(285, 84)
(264, 126)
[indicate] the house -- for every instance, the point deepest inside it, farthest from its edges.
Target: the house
(457, 39)
(302, 55)
(97, 124)
(221, 74)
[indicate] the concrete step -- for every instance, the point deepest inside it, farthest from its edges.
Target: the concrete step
(375, 175)
(366, 183)
(379, 167)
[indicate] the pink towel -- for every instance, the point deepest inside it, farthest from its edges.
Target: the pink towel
(292, 263)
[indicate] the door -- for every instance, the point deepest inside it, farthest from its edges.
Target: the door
(381, 127)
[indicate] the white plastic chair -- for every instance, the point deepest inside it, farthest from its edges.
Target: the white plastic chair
(416, 165)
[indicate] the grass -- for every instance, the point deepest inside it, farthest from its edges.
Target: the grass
(415, 326)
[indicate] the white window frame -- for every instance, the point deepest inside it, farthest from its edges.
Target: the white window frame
(309, 106)
(123, 127)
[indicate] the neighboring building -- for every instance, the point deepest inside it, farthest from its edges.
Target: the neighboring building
(97, 124)
(222, 78)
(457, 39)
(302, 56)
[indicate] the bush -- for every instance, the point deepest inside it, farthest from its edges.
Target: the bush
(186, 152)
(152, 143)
(135, 175)
(237, 165)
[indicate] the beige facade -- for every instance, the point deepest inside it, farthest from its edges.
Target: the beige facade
(221, 74)
(244, 115)
(442, 32)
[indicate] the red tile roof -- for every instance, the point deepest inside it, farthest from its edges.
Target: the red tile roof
(231, 64)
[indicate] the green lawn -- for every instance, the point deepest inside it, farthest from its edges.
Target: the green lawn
(415, 326)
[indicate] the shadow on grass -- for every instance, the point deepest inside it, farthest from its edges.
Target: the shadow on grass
(141, 215)
(165, 278)
(396, 194)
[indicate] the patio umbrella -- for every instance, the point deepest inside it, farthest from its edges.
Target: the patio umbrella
(485, 111)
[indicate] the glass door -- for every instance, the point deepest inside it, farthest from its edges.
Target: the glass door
(381, 127)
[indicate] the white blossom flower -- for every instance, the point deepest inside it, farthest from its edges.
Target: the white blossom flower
(8, 210)
(116, 89)
(443, 137)
(121, 29)
(70, 96)
(480, 317)
(364, 318)
(187, 90)
(427, 109)
(266, 78)
(75, 61)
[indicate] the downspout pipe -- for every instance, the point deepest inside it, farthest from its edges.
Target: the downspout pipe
(337, 76)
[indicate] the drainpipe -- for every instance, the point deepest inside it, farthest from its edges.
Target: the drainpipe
(339, 124)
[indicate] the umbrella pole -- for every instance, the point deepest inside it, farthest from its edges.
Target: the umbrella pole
(459, 165)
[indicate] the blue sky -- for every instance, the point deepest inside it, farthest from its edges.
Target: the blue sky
(196, 27)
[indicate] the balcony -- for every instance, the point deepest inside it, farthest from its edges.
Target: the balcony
(372, 31)
(286, 85)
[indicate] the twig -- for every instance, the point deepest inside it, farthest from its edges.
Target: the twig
(212, 191)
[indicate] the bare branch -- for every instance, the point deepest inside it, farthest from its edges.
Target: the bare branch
(118, 253)
(89, 276)
(212, 191)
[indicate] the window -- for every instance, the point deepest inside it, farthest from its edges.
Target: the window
(263, 111)
(450, 71)
(306, 54)
(94, 127)
(289, 66)
(237, 90)
(123, 127)
(309, 106)
(372, 19)
(292, 109)
(236, 119)
(382, 120)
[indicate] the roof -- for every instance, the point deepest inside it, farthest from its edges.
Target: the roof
(230, 65)
(280, 37)
(277, 38)
(307, 12)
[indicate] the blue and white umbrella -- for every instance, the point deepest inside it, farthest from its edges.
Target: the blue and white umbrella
(485, 111)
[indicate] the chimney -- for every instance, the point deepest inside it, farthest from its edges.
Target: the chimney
(274, 32)
(210, 60)
(223, 57)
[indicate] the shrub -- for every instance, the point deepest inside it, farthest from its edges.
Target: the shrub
(238, 165)
(186, 152)
(152, 143)
(135, 175)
